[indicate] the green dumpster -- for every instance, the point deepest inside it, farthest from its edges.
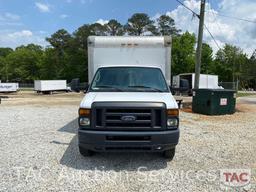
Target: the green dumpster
(214, 101)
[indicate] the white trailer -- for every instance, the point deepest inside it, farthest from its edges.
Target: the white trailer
(129, 51)
(9, 87)
(49, 86)
(206, 81)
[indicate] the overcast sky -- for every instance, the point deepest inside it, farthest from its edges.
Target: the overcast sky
(29, 21)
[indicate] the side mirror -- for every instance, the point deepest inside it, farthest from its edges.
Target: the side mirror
(75, 85)
(86, 87)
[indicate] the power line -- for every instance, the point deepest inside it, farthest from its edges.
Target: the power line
(217, 14)
(215, 20)
(237, 18)
(194, 13)
(212, 36)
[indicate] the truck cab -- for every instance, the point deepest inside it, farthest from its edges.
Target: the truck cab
(128, 105)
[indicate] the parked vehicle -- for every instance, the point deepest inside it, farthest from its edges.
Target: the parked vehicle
(9, 87)
(49, 86)
(186, 81)
(128, 105)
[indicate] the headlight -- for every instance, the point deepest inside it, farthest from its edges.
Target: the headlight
(172, 118)
(84, 121)
(172, 122)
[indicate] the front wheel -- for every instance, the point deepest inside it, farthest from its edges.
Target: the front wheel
(169, 154)
(85, 152)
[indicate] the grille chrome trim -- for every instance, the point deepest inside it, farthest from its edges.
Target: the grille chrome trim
(148, 116)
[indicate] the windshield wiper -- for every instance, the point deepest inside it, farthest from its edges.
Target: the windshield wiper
(110, 87)
(146, 87)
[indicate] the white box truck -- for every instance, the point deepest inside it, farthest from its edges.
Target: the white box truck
(206, 81)
(128, 105)
(9, 87)
(49, 86)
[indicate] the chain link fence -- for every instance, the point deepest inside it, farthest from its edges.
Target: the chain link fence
(229, 85)
(26, 86)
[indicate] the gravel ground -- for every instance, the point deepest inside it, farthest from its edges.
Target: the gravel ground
(39, 153)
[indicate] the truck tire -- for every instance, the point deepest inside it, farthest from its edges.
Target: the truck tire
(85, 152)
(169, 154)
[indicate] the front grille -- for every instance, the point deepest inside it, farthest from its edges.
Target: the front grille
(113, 116)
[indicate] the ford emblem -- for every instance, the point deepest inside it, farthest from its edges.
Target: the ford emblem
(128, 118)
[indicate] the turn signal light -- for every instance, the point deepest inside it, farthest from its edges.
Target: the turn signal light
(84, 112)
(173, 112)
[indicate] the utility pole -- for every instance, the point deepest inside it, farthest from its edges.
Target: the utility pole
(199, 44)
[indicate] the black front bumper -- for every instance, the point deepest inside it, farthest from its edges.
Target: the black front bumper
(116, 141)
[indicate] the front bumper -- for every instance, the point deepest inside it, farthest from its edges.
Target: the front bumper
(116, 141)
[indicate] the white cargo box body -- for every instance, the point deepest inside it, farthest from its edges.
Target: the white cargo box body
(129, 51)
(50, 85)
(9, 87)
(206, 81)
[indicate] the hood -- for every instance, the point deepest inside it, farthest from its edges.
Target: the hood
(91, 97)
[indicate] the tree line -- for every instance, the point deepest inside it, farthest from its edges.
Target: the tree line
(66, 57)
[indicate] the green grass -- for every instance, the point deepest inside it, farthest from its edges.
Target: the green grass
(239, 94)
(26, 89)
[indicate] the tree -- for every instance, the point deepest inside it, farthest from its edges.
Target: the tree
(81, 35)
(228, 63)
(3, 69)
(24, 63)
(66, 57)
(139, 24)
(31, 47)
(114, 28)
(48, 69)
(59, 40)
(78, 67)
(98, 29)
(248, 73)
(207, 59)
(183, 54)
(4, 52)
(61, 43)
(166, 26)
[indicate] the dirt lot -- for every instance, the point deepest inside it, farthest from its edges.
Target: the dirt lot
(31, 98)
(39, 152)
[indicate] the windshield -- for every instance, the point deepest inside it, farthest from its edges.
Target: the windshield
(129, 79)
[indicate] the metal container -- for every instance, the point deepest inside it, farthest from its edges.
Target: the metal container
(214, 101)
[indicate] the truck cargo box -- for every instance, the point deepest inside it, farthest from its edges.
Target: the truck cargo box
(50, 85)
(206, 81)
(129, 51)
(9, 87)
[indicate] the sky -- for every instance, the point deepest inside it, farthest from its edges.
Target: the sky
(31, 21)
